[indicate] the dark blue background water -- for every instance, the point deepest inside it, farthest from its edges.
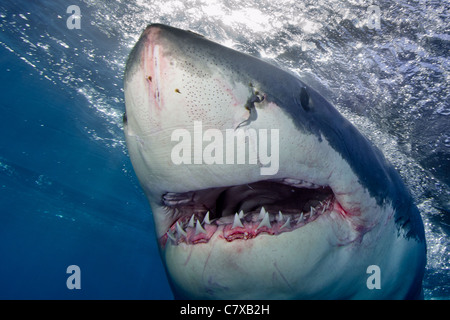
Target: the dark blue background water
(66, 199)
(68, 194)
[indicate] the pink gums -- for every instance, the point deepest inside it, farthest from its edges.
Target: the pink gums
(249, 230)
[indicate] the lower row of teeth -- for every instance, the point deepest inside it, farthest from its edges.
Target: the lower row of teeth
(177, 233)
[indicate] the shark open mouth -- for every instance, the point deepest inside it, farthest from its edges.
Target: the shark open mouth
(245, 211)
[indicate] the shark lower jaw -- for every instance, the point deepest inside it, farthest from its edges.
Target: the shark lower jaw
(244, 212)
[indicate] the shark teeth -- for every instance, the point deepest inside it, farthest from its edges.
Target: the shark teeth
(199, 229)
(300, 183)
(300, 219)
(206, 219)
(180, 230)
(237, 222)
(280, 216)
(287, 224)
(191, 222)
(265, 221)
(262, 213)
(171, 237)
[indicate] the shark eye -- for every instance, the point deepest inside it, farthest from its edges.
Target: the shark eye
(304, 99)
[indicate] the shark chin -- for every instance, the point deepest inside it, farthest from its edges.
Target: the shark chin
(259, 187)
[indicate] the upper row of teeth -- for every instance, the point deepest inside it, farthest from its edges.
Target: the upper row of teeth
(300, 183)
(263, 217)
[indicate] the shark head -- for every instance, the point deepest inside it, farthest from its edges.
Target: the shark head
(259, 187)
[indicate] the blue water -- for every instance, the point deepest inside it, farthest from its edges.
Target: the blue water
(67, 199)
(69, 195)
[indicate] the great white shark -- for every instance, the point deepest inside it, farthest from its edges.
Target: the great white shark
(329, 222)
